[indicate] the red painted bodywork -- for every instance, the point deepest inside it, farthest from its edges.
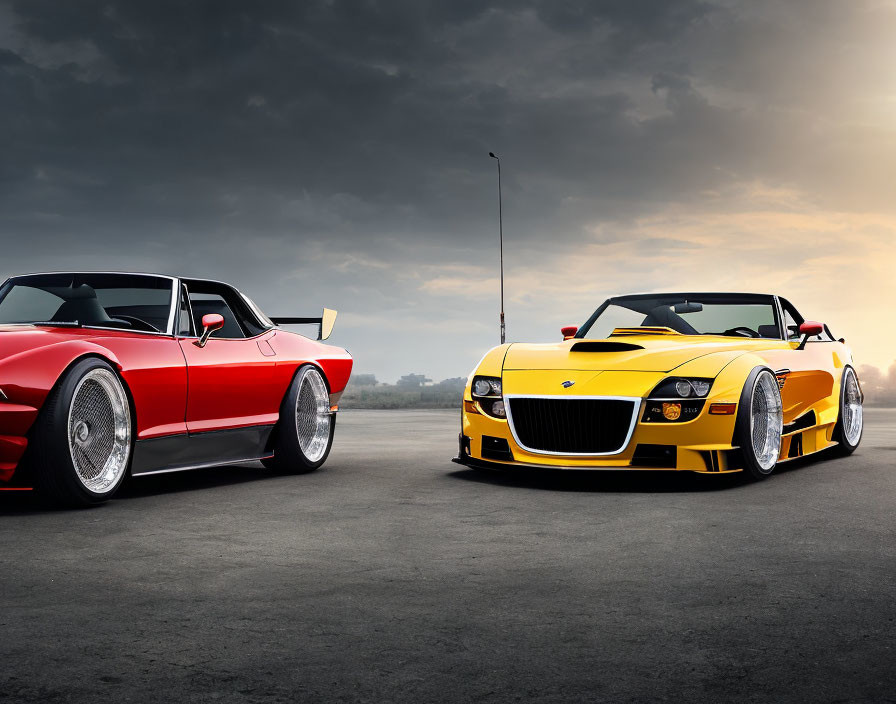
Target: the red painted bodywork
(175, 386)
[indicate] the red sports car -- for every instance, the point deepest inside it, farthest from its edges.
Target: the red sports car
(105, 374)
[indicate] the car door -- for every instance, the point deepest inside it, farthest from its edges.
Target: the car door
(807, 374)
(230, 379)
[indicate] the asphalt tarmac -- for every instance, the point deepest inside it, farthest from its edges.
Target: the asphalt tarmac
(393, 575)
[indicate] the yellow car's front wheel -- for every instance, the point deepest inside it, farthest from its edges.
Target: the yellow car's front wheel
(759, 423)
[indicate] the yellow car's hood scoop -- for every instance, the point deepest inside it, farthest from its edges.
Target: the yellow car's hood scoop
(604, 346)
(646, 353)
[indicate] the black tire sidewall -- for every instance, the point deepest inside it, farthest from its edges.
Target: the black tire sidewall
(742, 434)
(54, 469)
(288, 454)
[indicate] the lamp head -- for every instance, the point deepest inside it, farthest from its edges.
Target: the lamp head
(492, 155)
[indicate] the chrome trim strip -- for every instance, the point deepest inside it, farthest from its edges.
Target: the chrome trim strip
(260, 317)
(89, 271)
(779, 310)
(184, 297)
(71, 326)
(227, 339)
(636, 412)
(136, 332)
(172, 307)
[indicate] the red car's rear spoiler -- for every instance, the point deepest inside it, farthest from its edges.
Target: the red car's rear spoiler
(325, 322)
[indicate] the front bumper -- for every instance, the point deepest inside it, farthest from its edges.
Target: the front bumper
(700, 445)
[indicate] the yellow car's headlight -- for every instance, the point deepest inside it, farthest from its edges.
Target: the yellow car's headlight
(676, 400)
(675, 388)
(487, 392)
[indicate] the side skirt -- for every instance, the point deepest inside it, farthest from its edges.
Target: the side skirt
(806, 442)
(173, 453)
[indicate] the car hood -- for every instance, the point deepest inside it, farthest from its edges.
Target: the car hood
(642, 353)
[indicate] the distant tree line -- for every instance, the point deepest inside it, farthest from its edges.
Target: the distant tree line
(417, 391)
(410, 391)
(878, 386)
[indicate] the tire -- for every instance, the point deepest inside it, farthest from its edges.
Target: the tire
(759, 423)
(82, 441)
(850, 419)
(304, 434)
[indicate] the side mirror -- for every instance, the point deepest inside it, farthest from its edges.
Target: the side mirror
(569, 331)
(210, 323)
(809, 328)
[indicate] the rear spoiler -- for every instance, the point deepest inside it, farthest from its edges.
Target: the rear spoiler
(325, 322)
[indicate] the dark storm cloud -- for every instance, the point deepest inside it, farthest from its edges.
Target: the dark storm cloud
(340, 147)
(214, 110)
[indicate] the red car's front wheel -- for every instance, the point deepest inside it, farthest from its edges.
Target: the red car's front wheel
(81, 443)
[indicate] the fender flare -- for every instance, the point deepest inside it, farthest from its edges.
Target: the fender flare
(103, 355)
(307, 363)
(743, 404)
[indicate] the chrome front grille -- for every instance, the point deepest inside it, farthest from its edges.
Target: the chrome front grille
(572, 426)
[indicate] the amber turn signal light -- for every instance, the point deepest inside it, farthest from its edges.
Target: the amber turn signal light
(722, 409)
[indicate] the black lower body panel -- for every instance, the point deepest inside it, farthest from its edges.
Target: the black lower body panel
(193, 450)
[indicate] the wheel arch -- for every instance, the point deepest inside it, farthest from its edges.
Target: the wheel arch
(272, 438)
(36, 373)
(113, 362)
(306, 363)
(850, 365)
(743, 411)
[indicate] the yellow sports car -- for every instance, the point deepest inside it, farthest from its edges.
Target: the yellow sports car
(705, 382)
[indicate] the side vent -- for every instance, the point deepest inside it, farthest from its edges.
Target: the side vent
(662, 456)
(496, 449)
(598, 346)
(807, 420)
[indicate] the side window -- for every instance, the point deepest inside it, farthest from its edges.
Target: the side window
(792, 327)
(184, 320)
(204, 303)
(248, 320)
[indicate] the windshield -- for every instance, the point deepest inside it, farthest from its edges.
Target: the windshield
(688, 314)
(126, 301)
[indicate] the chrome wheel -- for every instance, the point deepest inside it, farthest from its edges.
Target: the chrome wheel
(766, 420)
(851, 413)
(99, 431)
(313, 415)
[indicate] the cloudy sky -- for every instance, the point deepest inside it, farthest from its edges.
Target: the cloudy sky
(336, 153)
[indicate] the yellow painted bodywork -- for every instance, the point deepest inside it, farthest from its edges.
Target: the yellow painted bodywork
(812, 383)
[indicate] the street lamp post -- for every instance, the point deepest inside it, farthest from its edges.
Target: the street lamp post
(500, 241)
